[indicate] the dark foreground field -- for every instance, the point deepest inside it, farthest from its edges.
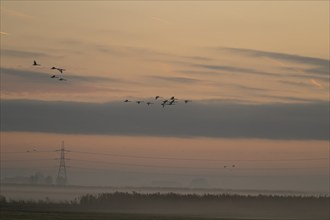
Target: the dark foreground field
(170, 206)
(14, 214)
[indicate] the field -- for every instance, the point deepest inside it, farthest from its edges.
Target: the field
(14, 214)
(169, 206)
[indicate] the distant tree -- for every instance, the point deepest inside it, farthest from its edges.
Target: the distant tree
(3, 199)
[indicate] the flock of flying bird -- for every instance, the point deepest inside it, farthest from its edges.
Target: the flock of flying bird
(164, 102)
(53, 68)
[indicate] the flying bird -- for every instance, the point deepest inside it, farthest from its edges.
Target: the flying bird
(62, 79)
(54, 76)
(138, 102)
(59, 69)
(186, 101)
(127, 100)
(35, 63)
(171, 102)
(149, 103)
(157, 97)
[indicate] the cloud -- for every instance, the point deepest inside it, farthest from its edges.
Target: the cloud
(321, 64)
(127, 50)
(25, 83)
(15, 13)
(199, 58)
(234, 69)
(184, 80)
(316, 83)
(117, 50)
(29, 75)
(21, 53)
(291, 99)
(304, 121)
(238, 70)
(161, 20)
(294, 83)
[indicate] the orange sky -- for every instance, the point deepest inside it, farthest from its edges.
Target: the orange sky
(257, 54)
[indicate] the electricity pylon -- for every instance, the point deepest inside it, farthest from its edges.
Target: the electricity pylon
(61, 175)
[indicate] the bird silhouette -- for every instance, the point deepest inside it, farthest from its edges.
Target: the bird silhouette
(157, 97)
(149, 103)
(62, 79)
(165, 101)
(35, 63)
(54, 76)
(138, 102)
(171, 102)
(127, 100)
(59, 69)
(186, 101)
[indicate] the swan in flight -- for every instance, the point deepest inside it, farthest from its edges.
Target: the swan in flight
(172, 102)
(59, 69)
(35, 63)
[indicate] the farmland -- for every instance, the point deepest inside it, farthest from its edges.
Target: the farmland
(169, 206)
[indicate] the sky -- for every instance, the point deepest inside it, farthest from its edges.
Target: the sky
(256, 74)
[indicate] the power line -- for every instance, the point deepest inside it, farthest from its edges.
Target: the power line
(26, 160)
(172, 167)
(178, 158)
(200, 159)
(171, 173)
(26, 152)
(197, 168)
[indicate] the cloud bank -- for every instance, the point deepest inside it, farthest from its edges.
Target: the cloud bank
(30, 75)
(321, 66)
(21, 53)
(304, 121)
